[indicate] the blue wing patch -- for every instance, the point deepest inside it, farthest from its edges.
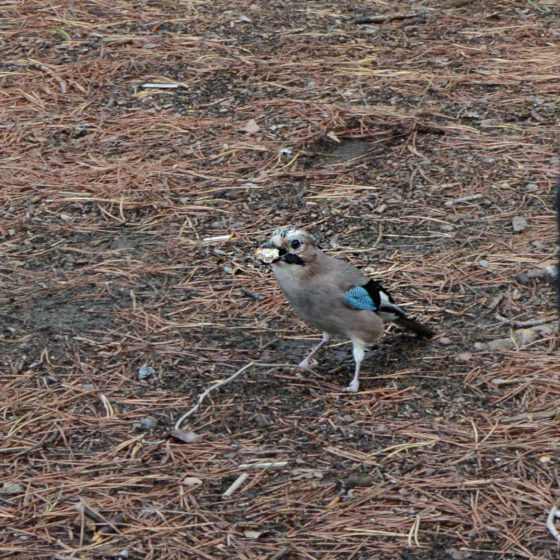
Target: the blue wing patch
(359, 298)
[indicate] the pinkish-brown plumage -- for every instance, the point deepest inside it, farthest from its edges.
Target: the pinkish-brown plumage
(316, 285)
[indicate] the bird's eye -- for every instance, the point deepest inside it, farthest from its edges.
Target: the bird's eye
(295, 244)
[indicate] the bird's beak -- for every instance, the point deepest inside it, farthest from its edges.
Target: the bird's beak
(267, 253)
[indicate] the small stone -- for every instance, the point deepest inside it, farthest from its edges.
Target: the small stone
(356, 481)
(251, 127)
(380, 209)
(65, 217)
(500, 344)
(544, 330)
(522, 337)
(484, 263)
(185, 436)
(496, 301)
(519, 224)
(545, 459)
(447, 228)
(11, 488)
(445, 341)
(192, 481)
(147, 423)
(531, 187)
(455, 554)
(262, 420)
(464, 357)
(253, 535)
(516, 295)
(523, 278)
(537, 273)
(145, 372)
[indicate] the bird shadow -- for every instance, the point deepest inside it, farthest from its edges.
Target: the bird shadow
(394, 351)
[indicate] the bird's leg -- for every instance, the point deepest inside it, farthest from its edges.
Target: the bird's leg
(358, 351)
(305, 363)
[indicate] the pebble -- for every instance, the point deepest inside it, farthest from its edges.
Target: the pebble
(498, 344)
(185, 436)
(147, 423)
(11, 488)
(519, 224)
(464, 357)
(262, 420)
(537, 273)
(356, 481)
(455, 554)
(445, 341)
(145, 372)
(519, 339)
(523, 278)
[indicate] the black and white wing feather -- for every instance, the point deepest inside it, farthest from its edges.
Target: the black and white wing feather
(373, 297)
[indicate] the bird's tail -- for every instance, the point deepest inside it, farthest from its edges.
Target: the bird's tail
(413, 325)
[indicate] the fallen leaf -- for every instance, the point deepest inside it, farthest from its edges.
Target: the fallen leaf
(251, 127)
(253, 534)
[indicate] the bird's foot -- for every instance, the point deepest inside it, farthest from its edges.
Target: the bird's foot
(353, 387)
(306, 363)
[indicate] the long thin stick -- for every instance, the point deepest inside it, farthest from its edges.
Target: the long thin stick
(203, 395)
(236, 485)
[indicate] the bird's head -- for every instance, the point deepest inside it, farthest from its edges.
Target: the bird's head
(288, 246)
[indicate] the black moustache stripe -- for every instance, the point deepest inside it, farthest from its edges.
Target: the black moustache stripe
(290, 258)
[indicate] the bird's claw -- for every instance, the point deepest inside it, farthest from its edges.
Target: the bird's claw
(305, 363)
(353, 387)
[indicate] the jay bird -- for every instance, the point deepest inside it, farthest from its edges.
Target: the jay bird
(332, 295)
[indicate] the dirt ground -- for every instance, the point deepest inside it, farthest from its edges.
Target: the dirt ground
(422, 146)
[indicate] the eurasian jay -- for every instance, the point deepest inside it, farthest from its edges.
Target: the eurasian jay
(332, 295)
